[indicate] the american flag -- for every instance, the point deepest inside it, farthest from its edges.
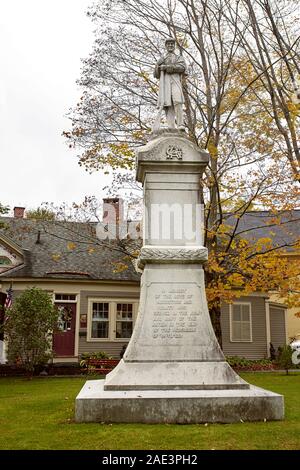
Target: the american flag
(8, 300)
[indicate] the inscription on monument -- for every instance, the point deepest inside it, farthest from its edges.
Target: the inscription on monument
(175, 313)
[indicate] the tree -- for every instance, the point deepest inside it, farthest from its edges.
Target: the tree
(274, 55)
(3, 210)
(41, 213)
(243, 59)
(119, 93)
(28, 328)
(80, 224)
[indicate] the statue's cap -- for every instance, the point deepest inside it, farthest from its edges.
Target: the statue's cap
(169, 40)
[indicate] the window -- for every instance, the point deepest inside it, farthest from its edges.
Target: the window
(100, 320)
(5, 261)
(240, 322)
(65, 297)
(110, 320)
(124, 320)
(64, 322)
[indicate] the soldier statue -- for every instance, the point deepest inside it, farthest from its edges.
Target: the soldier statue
(169, 70)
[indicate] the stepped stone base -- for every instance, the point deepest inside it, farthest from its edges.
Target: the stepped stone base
(176, 375)
(94, 404)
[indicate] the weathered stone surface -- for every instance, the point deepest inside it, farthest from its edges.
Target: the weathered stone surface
(93, 404)
(167, 132)
(176, 375)
(173, 369)
(169, 69)
(174, 254)
(173, 323)
(170, 151)
(173, 344)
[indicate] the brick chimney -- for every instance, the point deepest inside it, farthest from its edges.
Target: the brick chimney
(113, 210)
(19, 212)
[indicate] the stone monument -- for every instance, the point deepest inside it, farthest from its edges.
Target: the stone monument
(173, 369)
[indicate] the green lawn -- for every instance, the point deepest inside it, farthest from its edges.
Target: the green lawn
(38, 414)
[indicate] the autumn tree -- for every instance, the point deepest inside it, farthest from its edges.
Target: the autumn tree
(242, 67)
(271, 48)
(41, 213)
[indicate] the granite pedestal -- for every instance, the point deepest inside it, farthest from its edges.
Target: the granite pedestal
(173, 369)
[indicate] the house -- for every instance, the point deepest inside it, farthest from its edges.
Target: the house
(260, 224)
(98, 299)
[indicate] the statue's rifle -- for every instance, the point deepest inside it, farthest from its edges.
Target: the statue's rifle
(156, 123)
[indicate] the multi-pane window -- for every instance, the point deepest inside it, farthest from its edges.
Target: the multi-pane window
(65, 297)
(124, 320)
(110, 320)
(64, 318)
(241, 328)
(100, 320)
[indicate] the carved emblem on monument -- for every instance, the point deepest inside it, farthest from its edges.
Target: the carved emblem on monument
(174, 152)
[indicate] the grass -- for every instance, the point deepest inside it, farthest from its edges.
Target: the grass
(38, 414)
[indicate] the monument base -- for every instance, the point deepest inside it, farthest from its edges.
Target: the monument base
(174, 376)
(94, 404)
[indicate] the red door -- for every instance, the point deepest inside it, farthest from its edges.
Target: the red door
(64, 338)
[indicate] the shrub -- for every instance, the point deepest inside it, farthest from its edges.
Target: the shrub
(95, 355)
(241, 363)
(84, 358)
(28, 329)
(272, 352)
(285, 357)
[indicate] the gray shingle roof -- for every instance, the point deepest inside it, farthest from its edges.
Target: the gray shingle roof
(66, 250)
(55, 257)
(283, 229)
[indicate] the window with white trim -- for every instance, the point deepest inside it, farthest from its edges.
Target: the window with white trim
(100, 320)
(124, 320)
(65, 297)
(240, 322)
(110, 320)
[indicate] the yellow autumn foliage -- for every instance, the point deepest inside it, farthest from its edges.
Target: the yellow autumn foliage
(119, 267)
(71, 246)
(253, 267)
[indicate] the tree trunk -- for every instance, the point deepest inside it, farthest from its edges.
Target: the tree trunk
(215, 311)
(215, 316)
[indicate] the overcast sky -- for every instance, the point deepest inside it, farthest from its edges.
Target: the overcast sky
(41, 44)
